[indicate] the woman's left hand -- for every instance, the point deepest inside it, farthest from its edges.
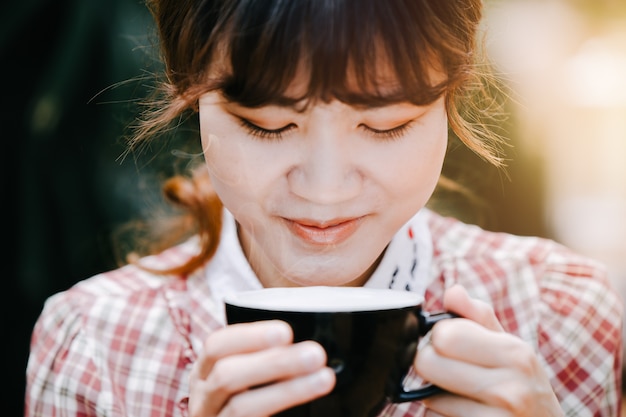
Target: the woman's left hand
(485, 371)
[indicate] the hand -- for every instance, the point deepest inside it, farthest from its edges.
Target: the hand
(254, 370)
(485, 371)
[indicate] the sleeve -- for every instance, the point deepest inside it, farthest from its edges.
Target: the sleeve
(580, 336)
(62, 378)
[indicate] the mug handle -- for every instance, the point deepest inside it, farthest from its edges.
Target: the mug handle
(426, 323)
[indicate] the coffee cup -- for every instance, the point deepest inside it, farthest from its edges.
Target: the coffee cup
(370, 337)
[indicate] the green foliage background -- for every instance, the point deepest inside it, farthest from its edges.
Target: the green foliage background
(70, 70)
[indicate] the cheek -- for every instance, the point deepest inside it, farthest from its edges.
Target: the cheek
(224, 160)
(228, 161)
(237, 169)
(223, 152)
(431, 149)
(219, 158)
(430, 165)
(417, 167)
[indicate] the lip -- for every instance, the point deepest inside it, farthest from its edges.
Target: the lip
(330, 232)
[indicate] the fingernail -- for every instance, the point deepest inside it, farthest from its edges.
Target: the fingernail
(312, 357)
(321, 380)
(277, 334)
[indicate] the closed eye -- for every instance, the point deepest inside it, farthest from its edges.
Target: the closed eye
(389, 134)
(263, 133)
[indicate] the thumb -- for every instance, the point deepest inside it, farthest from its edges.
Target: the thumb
(457, 300)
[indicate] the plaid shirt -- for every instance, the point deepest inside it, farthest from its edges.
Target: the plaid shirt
(123, 343)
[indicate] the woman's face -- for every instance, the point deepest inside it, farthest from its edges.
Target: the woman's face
(318, 193)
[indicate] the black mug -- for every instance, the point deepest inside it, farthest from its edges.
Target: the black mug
(370, 337)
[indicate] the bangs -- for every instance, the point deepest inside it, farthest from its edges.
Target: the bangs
(361, 52)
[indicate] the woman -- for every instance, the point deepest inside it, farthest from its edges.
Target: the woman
(324, 127)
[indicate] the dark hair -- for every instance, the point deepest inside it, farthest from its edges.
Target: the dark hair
(251, 51)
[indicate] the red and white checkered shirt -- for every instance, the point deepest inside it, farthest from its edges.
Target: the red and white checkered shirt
(123, 343)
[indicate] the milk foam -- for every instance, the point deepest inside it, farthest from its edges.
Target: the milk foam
(325, 299)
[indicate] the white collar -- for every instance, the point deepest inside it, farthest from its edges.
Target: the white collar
(407, 259)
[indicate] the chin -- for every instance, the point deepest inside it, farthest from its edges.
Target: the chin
(336, 269)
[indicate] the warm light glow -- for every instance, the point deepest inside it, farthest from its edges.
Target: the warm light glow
(595, 76)
(568, 69)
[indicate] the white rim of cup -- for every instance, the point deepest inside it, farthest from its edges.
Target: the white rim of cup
(345, 299)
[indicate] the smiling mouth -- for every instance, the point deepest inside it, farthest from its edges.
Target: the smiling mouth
(327, 233)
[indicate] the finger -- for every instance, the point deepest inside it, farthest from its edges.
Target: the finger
(235, 374)
(513, 388)
(241, 338)
(457, 300)
(449, 374)
(449, 405)
(469, 341)
(239, 372)
(431, 413)
(271, 399)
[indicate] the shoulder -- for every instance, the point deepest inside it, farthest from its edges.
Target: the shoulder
(453, 239)
(561, 302)
(112, 298)
(105, 326)
(532, 276)
(135, 278)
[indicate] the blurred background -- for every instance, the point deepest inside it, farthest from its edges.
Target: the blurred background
(73, 70)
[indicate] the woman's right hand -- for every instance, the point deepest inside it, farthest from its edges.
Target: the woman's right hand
(254, 370)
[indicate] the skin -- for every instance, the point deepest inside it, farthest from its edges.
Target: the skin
(317, 204)
(318, 193)
(486, 371)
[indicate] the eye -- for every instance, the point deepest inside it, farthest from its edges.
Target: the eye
(262, 133)
(389, 134)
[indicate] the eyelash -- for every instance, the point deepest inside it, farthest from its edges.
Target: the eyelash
(389, 134)
(259, 132)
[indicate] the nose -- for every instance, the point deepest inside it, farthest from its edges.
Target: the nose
(327, 172)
